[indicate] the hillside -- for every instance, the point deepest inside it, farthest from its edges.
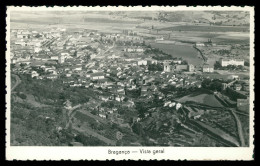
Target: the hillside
(216, 17)
(201, 97)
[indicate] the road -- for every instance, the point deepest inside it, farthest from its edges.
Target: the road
(109, 49)
(239, 128)
(18, 81)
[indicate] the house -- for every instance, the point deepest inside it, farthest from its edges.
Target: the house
(178, 106)
(152, 61)
(92, 56)
(14, 60)
(54, 57)
(195, 115)
(167, 67)
(37, 49)
(61, 58)
(172, 104)
(102, 115)
(181, 67)
(207, 68)
(233, 77)
(77, 68)
(176, 61)
(144, 90)
(119, 98)
(34, 74)
(237, 87)
(51, 76)
(245, 87)
(96, 76)
(80, 53)
(129, 104)
(142, 62)
(190, 68)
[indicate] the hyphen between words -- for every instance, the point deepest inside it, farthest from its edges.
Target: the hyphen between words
(141, 151)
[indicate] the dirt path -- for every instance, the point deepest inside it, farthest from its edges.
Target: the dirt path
(239, 128)
(18, 81)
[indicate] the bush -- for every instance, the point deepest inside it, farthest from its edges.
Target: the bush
(22, 96)
(214, 85)
(155, 67)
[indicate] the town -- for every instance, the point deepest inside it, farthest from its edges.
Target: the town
(85, 87)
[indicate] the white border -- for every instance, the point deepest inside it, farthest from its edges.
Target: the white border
(101, 153)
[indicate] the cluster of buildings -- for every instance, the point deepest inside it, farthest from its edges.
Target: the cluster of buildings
(175, 65)
(122, 38)
(77, 59)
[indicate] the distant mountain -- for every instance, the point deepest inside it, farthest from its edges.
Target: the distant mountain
(211, 17)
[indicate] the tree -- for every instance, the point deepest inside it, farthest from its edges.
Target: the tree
(125, 99)
(37, 36)
(58, 111)
(94, 112)
(12, 66)
(240, 67)
(216, 86)
(217, 65)
(247, 63)
(22, 96)
(184, 62)
(22, 65)
(205, 83)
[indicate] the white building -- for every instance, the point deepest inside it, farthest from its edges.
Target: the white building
(178, 106)
(34, 74)
(236, 62)
(200, 44)
(37, 49)
(207, 69)
(96, 76)
(61, 58)
(142, 62)
(54, 58)
(167, 67)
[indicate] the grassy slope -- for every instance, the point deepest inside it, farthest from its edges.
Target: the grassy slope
(204, 98)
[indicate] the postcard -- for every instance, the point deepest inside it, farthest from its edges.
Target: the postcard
(130, 83)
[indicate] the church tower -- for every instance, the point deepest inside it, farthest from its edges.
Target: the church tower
(166, 67)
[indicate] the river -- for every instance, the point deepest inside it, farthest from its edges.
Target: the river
(187, 52)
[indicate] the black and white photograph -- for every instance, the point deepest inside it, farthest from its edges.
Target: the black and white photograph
(149, 79)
